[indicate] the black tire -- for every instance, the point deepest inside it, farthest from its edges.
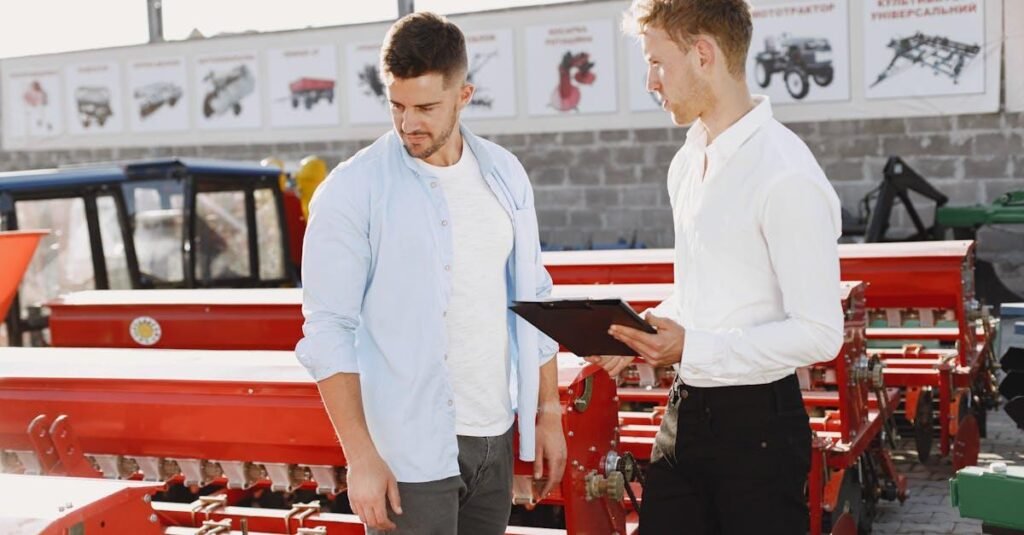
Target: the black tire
(762, 74)
(172, 102)
(797, 84)
(823, 77)
(295, 102)
(237, 108)
(309, 103)
(208, 105)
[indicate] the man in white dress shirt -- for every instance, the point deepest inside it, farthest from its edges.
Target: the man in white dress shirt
(756, 285)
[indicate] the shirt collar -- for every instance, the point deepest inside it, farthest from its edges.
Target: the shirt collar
(483, 157)
(729, 141)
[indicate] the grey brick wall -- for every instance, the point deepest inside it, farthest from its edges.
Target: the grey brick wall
(604, 186)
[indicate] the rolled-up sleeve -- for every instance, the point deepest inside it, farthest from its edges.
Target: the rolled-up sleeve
(335, 268)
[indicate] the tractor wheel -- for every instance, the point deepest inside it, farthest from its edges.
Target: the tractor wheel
(762, 75)
(797, 83)
(237, 108)
(208, 105)
(309, 103)
(923, 420)
(295, 102)
(172, 102)
(823, 77)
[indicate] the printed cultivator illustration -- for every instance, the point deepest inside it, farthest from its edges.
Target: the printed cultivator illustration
(227, 90)
(93, 104)
(309, 91)
(369, 80)
(940, 54)
(153, 96)
(480, 98)
(799, 59)
(36, 101)
(566, 96)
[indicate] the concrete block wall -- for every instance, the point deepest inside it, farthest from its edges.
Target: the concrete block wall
(597, 187)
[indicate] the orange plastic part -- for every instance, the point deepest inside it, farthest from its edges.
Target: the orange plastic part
(16, 250)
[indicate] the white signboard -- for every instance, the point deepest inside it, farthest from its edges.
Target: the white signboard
(800, 51)
(1014, 46)
(301, 84)
(94, 98)
(640, 99)
(570, 68)
(492, 69)
(227, 91)
(923, 48)
(34, 100)
(157, 95)
(367, 98)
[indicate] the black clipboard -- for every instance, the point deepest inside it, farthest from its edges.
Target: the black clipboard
(581, 325)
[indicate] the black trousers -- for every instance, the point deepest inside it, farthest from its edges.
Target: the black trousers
(730, 460)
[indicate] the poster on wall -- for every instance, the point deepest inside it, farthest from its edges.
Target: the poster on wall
(640, 99)
(492, 68)
(157, 89)
(800, 51)
(301, 84)
(226, 90)
(367, 100)
(924, 48)
(570, 68)
(93, 98)
(34, 107)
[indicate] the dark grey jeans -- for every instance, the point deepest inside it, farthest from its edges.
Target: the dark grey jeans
(476, 502)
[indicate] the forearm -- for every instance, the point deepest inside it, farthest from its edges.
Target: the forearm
(343, 400)
(548, 401)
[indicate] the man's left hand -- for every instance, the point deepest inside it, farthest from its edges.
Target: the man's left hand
(550, 450)
(663, 348)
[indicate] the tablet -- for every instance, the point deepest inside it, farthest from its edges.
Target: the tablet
(581, 325)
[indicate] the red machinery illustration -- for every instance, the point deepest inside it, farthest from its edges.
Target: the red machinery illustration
(309, 91)
(573, 67)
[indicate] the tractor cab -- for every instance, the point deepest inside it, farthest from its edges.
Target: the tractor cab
(165, 223)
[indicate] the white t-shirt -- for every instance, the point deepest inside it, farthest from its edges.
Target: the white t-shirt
(478, 354)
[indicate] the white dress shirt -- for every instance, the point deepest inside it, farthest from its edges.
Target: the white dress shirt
(757, 262)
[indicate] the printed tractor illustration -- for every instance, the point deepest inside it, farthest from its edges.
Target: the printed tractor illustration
(228, 90)
(940, 54)
(369, 80)
(566, 96)
(93, 104)
(156, 94)
(799, 59)
(309, 91)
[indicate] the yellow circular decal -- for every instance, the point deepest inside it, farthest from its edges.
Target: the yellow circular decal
(145, 330)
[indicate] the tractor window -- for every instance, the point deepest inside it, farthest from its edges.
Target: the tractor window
(222, 236)
(63, 261)
(268, 233)
(155, 213)
(113, 244)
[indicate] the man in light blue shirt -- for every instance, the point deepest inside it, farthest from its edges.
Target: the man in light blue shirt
(415, 248)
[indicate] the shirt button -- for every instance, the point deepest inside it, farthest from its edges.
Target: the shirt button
(444, 314)
(446, 356)
(444, 222)
(450, 403)
(684, 393)
(433, 184)
(447, 267)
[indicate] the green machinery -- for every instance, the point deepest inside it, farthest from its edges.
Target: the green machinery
(995, 495)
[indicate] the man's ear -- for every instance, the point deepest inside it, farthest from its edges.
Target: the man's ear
(466, 94)
(706, 53)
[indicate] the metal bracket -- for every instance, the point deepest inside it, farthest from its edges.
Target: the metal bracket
(69, 451)
(214, 528)
(42, 444)
(300, 512)
(583, 401)
(207, 505)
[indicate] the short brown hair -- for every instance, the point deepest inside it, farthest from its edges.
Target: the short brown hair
(423, 43)
(728, 21)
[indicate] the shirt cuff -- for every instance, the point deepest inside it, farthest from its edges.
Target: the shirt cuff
(548, 348)
(700, 349)
(323, 358)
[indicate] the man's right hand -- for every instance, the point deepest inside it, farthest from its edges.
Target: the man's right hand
(370, 482)
(613, 365)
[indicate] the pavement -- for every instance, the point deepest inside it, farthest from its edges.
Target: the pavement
(928, 510)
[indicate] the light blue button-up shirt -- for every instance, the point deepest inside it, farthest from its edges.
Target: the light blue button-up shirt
(375, 294)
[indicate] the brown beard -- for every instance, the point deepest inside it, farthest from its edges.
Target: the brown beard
(441, 140)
